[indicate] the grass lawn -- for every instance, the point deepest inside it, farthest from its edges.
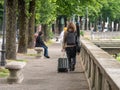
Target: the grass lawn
(3, 72)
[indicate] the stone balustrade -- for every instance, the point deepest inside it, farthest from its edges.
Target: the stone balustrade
(101, 69)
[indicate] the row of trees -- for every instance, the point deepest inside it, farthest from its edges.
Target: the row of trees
(22, 16)
(25, 15)
(95, 12)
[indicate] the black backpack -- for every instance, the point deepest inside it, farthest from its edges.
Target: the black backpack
(71, 38)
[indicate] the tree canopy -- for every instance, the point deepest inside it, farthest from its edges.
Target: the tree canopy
(47, 10)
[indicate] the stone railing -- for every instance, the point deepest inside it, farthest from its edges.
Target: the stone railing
(101, 69)
(105, 35)
(102, 35)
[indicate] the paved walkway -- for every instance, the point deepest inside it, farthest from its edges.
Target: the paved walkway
(41, 74)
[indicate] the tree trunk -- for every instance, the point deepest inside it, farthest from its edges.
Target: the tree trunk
(103, 26)
(115, 24)
(95, 25)
(11, 6)
(44, 29)
(110, 26)
(22, 22)
(85, 27)
(118, 26)
(80, 23)
(31, 24)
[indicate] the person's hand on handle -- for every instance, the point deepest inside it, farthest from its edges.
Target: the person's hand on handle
(63, 50)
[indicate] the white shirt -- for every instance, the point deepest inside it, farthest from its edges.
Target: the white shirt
(61, 36)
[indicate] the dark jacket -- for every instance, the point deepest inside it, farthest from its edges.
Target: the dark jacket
(39, 42)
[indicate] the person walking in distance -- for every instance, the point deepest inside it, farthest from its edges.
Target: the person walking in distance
(62, 34)
(69, 45)
(40, 43)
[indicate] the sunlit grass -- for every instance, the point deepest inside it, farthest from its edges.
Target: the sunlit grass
(3, 72)
(82, 32)
(49, 42)
(18, 60)
(118, 58)
(31, 54)
(118, 37)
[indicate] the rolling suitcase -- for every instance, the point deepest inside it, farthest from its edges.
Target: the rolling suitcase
(62, 65)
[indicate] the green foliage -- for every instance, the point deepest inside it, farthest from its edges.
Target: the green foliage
(82, 32)
(50, 35)
(3, 72)
(118, 57)
(31, 54)
(111, 10)
(37, 8)
(18, 60)
(2, 1)
(70, 7)
(116, 37)
(46, 11)
(67, 7)
(1, 11)
(49, 42)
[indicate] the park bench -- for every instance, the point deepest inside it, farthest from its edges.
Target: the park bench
(15, 69)
(39, 51)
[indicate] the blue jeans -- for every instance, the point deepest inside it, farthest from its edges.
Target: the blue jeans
(45, 50)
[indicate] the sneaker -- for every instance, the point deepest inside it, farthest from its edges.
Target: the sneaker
(47, 56)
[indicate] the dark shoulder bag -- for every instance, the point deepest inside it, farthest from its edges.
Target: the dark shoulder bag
(78, 46)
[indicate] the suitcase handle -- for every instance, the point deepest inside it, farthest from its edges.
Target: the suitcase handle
(63, 55)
